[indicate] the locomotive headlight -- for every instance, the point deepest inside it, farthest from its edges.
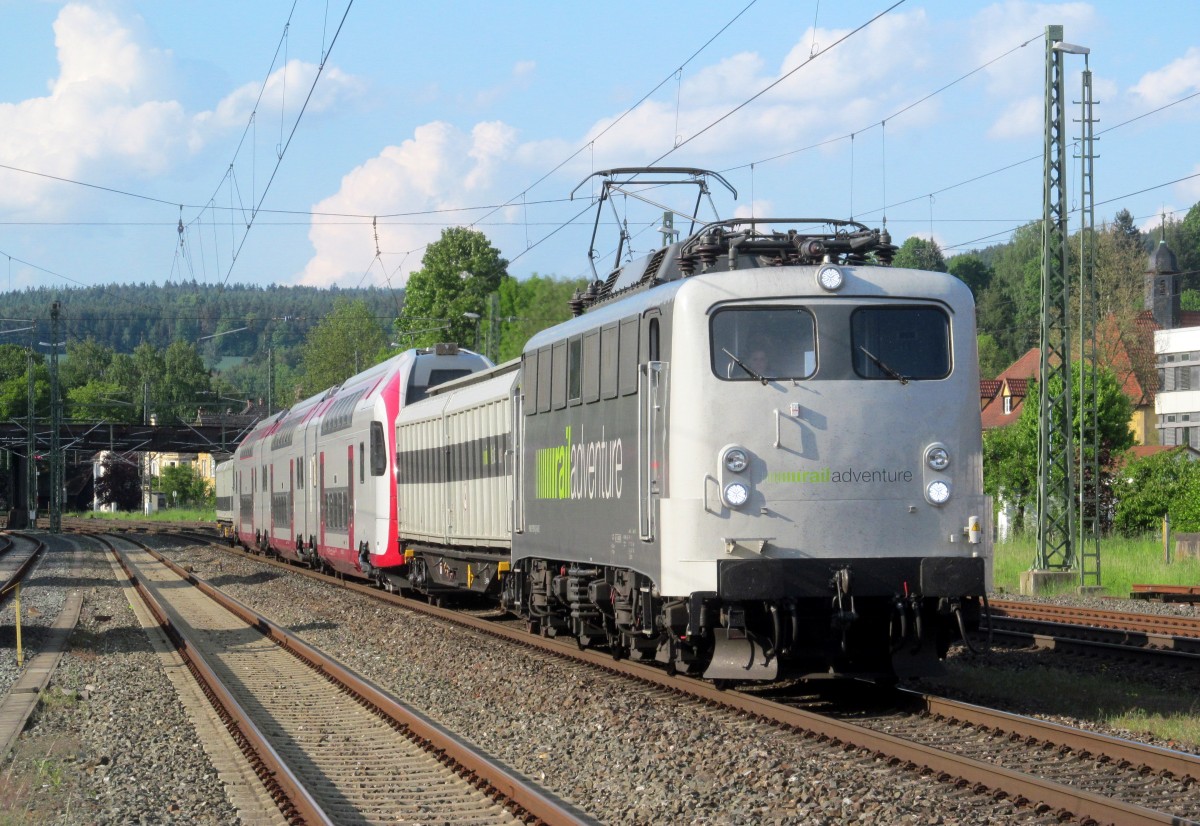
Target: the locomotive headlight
(938, 458)
(938, 492)
(735, 460)
(830, 278)
(736, 494)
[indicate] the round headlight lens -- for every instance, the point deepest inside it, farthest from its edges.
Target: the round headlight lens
(938, 492)
(736, 460)
(938, 458)
(830, 278)
(736, 495)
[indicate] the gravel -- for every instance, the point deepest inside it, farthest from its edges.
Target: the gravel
(626, 754)
(110, 743)
(42, 598)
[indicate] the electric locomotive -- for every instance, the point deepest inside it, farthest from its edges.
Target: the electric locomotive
(755, 452)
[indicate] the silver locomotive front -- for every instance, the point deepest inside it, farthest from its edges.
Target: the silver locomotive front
(822, 448)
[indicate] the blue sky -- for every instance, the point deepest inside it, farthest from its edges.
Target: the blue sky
(433, 114)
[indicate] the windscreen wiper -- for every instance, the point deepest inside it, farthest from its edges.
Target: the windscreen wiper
(879, 363)
(740, 364)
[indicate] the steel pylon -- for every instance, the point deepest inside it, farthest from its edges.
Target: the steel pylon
(1056, 471)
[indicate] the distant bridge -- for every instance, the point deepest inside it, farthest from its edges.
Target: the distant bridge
(94, 436)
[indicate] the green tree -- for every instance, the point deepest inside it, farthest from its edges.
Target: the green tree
(186, 382)
(972, 271)
(1010, 453)
(1150, 487)
(1009, 309)
(532, 305)
(182, 485)
(458, 273)
(991, 361)
(88, 361)
(1187, 251)
(919, 254)
(14, 383)
(100, 400)
(1126, 231)
(347, 341)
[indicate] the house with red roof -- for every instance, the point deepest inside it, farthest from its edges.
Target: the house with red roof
(1127, 347)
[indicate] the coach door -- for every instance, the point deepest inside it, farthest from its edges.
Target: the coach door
(653, 374)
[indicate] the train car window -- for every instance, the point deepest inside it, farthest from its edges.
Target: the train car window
(558, 381)
(417, 391)
(754, 343)
(900, 343)
(362, 465)
(378, 450)
(543, 380)
(574, 369)
(529, 382)
(609, 338)
(627, 358)
(591, 366)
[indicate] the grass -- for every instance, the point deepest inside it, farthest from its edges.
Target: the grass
(166, 515)
(1132, 705)
(1123, 562)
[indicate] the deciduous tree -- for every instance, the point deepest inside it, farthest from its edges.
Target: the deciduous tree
(919, 254)
(347, 341)
(458, 273)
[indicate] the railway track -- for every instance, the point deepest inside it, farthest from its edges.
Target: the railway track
(16, 560)
(331, 747)
(1072, 773)
(18, 555)
(1156, 639)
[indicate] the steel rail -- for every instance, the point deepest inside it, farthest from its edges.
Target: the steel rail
(1160, 624)
(492, 776)
(24, 568)
(982, 776)
(1152, 649)
(285, 788)
(1154, 758)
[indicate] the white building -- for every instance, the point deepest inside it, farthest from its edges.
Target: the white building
(1176, 353)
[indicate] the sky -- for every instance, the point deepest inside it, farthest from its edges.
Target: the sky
(327, 142)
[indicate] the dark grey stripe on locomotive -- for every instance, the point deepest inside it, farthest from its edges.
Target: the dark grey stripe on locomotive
(460, 462)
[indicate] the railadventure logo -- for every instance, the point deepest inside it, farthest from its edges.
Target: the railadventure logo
(583, 470)
(849, 476)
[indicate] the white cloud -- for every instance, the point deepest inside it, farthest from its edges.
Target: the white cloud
(439, 168)
(100, 111)
(1189, 190)
(109, 114)
(759, 207)
(1001, 26)
(1173, 81)
(1151, 224)
(842, 89)
(1020, 119)
(283, 95)
(519, 78)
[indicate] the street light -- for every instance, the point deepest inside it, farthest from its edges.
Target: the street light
(474, 317)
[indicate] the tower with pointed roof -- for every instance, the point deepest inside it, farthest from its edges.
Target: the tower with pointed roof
(1163, 285)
